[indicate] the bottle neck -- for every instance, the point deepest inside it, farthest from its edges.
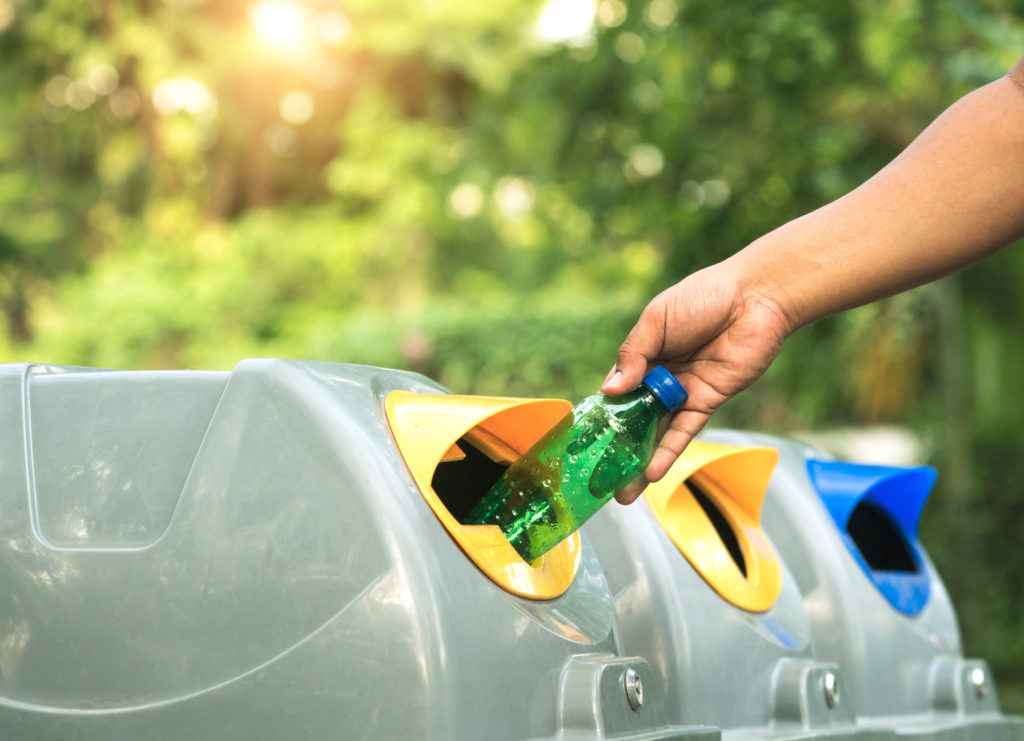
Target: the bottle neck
(653, 401)
(636, 409)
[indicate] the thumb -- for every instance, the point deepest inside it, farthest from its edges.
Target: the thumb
(642, 345)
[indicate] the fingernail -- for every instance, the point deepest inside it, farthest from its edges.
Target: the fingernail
(613, 373)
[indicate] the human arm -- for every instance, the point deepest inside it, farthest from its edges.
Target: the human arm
(950, 199)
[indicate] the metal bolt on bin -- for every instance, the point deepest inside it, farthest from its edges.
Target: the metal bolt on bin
(277, 552)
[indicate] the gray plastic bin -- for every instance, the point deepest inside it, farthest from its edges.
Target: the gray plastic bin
(270, 553)
(244, 555)
(903, 663)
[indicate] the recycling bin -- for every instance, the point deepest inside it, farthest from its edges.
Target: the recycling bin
(249, 555)
(876, 604)
(279, 552)
(699, 587)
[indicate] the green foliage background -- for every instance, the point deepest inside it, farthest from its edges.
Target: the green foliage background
(469, 201)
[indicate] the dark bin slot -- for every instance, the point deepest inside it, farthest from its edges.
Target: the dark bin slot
(879, 540)
(721, 525)
(461, 484)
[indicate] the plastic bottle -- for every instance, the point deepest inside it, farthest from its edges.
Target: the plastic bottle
(602, 445)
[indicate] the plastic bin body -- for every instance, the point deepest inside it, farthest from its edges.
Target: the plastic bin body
(717, 659)
(247, 555)
(904, 672)
(750, 672)
(244, 556)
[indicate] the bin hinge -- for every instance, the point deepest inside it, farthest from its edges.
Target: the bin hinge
(962, 686)
(605, 696)
(810, 694)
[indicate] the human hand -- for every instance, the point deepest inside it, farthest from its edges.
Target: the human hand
(715, 336)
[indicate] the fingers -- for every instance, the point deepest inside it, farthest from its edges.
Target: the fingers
(675, 324)
(612, 381)
(632, 491)
(684, 428)
(642, 344)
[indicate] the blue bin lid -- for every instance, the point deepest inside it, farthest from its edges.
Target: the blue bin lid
(899, 493)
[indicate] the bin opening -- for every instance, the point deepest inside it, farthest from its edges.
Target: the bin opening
(877, 510)
(721, 525)
(456, 447)
(709, 504)
(879, 540)
(461, 483)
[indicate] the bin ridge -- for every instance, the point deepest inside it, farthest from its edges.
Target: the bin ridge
(108, 452)
(248, 567)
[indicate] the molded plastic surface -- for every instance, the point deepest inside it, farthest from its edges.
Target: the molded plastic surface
(890, 660)
(716, 661)
(245, 555)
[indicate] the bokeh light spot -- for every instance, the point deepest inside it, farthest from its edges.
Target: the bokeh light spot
(691, 193)
(629, 47)
(611, 13)
(465, 201)
(514, 196)
(279, 22)
(183, 94)
(661, 13)
(283, 140)
(79, 95)
(103, 79)
(566, 21)
(124, 103)
(296, 107)
(56, 90)
(645, 161)
(647, 95)
(333, 27)
(716, 193)
(6, 15)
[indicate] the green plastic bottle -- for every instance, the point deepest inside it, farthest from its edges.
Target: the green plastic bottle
(602, 445)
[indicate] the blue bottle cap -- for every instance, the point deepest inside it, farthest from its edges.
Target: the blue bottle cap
(666, 387)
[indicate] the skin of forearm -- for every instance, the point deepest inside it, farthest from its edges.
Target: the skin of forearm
(952, 198)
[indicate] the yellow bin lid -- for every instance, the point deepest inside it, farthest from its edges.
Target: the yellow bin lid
(427, 428)
(735, 479)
